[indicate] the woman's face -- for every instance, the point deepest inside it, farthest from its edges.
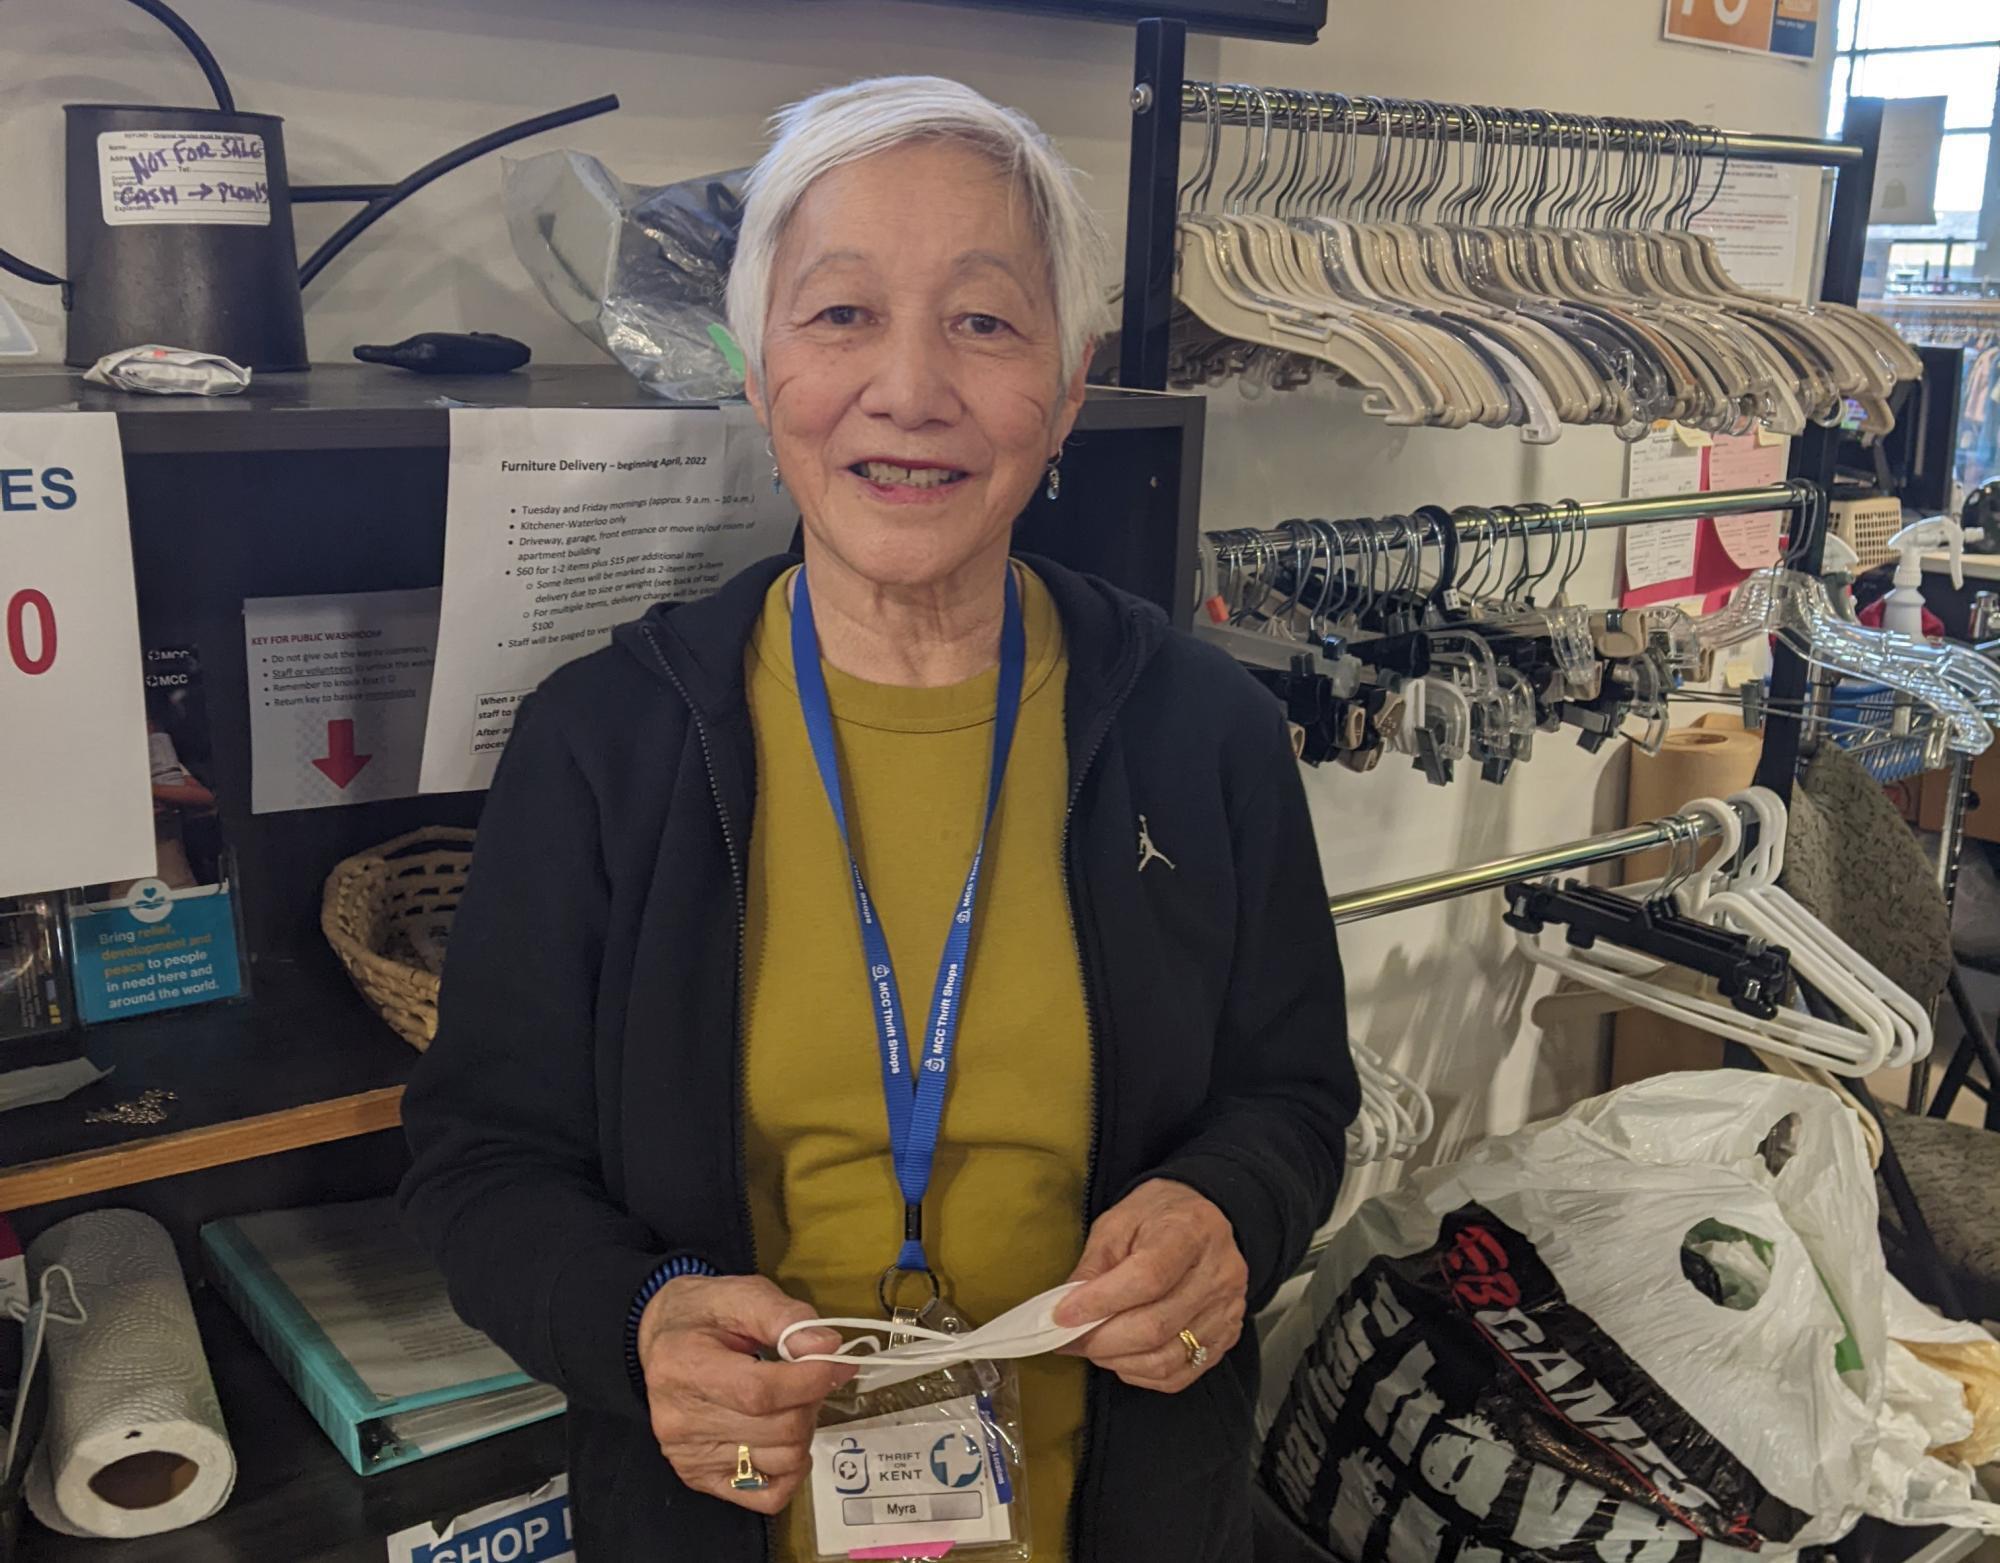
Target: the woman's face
(912, 374)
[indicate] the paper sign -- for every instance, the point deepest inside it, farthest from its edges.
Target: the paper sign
(155, 948)
(1764, 223)
(1661, 465)
(75, 782)
(1788, 29)
(339, 687)
(1906, 162)
(182, 176)
(533, 1528)
(561, 524)
(1744, 461)
(168, 940)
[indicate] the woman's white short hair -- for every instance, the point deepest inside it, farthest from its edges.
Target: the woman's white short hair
(845, 124)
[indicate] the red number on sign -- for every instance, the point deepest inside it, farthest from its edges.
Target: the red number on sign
(18, 608)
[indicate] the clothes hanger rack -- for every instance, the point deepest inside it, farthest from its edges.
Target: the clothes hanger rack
(1159, 81)
(1162, 100)
(1556, 520)
(1405, 895)
(1240, 105)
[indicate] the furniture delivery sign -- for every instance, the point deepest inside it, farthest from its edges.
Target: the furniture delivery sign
(533, 1528)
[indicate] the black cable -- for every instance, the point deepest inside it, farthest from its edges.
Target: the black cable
(225, 100)
(356, 225)
(172, 20)
(28, 272)
(307, 195)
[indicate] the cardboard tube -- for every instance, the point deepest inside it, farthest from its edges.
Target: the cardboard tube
(1710, 759)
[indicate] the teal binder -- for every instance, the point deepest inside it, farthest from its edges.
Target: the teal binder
(373, 1432)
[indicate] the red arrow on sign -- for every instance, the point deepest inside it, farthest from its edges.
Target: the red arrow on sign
(341, 764)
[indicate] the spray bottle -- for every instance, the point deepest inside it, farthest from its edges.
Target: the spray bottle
(1903, 608)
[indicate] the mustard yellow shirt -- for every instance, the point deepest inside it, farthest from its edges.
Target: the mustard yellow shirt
(1004, 1219)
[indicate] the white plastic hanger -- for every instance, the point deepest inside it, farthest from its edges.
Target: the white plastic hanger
(1856, 1048)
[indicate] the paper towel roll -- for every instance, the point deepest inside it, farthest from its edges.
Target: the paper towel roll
(1710, 759)
(135, 1443)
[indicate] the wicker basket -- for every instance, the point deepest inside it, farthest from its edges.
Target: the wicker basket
(387, 913)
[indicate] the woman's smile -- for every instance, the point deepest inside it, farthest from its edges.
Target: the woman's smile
(892, 482)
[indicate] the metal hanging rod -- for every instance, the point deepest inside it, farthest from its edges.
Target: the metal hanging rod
(1234, 104)
(1428, 889)
(1542, 520)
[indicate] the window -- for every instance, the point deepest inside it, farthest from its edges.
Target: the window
(1928, 49)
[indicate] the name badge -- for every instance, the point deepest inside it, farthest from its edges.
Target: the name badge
(921, 1477)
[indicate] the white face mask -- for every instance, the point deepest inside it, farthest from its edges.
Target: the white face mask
(1026, 1331)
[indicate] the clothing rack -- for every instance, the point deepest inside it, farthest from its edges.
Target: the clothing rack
(1427, 889)
(1159, 80)
(1559, 519)
(1230, 104)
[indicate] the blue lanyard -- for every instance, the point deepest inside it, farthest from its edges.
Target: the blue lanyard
(913, 1095)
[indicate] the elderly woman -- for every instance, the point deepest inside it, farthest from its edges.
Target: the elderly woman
(909, 786)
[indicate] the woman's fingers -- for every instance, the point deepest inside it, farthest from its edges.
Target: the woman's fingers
(1167, 1367)
(747, 1387)
(1141, 1248)
(712, 1396)
(1147, 1340)
(702, 1424)
(1148, 1274)
(711, 1468)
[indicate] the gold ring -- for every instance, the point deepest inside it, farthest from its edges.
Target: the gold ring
(747, 1478)
(1197, 1353)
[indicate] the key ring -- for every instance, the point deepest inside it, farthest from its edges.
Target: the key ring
(886, 1285)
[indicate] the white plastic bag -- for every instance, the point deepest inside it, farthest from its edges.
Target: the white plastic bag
(1531, 1349)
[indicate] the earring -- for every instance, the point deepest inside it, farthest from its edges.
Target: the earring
(777, 477)
(1055, 479)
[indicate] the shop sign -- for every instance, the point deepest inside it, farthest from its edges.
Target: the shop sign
(1787, 29)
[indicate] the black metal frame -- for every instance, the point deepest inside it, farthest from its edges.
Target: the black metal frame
(1153, 182)
(1816, 454)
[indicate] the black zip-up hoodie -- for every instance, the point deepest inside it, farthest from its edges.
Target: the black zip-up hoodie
(579, 1117)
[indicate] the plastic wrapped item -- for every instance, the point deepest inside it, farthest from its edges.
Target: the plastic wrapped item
(640, 270)
(169, 371)
(1660, 1321)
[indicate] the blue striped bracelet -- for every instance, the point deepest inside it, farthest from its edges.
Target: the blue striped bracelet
(672, 1270)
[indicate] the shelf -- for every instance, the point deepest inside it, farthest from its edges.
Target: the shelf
(359, 406)
(296, 1500)
(302, 1063)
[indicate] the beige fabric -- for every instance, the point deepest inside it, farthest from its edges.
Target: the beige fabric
(1851, 861)
(1954, 1171)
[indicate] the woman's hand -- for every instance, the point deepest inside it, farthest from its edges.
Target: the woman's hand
(710, 1394)
(1161, 1260)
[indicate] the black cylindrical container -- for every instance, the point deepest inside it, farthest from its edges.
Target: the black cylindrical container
(180, 232)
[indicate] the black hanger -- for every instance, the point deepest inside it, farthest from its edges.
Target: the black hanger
(1753, 975)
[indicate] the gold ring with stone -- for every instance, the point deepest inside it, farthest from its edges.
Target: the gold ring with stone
(747, 1478)
(1197, 1353)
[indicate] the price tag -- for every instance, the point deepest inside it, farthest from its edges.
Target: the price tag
(75, 782)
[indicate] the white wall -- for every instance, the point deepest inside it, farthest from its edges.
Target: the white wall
(372, 88)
